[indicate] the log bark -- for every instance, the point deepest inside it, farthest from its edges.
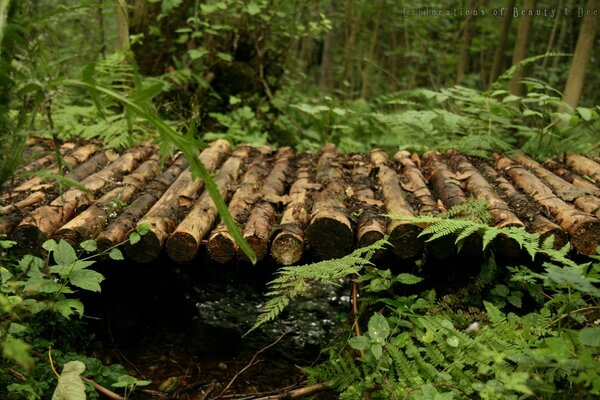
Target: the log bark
(413, 181)
(571, 177)
(583, 229)
(264, 213)
(402, 234)
(565, 190)
(164, 216)
(221, 245)
(527, 211)
(185, 241)
(92, 221)
(287, 247)
(118, 229)
(503, 217)
(41, 223)
(584, 166)
(330, 233)
(44, 161)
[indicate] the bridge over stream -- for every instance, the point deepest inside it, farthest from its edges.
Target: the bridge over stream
(291, 205)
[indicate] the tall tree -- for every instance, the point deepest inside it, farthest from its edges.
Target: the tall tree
(499, 54)
(464, 62)
(327, 55)
(582, 54)
(521, 43)
(122, 24)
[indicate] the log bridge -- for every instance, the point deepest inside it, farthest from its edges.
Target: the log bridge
(290, 205)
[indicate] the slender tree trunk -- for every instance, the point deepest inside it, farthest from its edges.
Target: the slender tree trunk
(464, 60)
(499, 55)
(350, 41)
(122, 25)
(520, 52)
(562, 35)
(326, 78)
(553, 32)
(581, 58)
(364, 91)
(100, 14)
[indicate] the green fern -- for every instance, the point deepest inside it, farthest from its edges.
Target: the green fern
(294, 281)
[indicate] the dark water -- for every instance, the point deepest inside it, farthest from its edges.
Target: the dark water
(183, 326)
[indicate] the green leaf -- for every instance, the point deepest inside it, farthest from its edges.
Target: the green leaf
(116, 254)
(453, 341)
(377, 350)
(49, 245)
(142, 229)
(69, 307)
(359, 342)
(64, 253)
(70, 385)
(589, 336)
(408, 279)
(225, 57)
(17, 350)
(379, 329)
(252, 8)
(15, 329)
(585, 113)
(89, 246)
(86, 279)
(134, 238)
(197, 53)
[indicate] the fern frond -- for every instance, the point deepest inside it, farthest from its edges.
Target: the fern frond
(487, 273)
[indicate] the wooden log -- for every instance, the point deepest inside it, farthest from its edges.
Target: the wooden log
(287, 247)
(584, 166)
(42, 222)
(571, 177)
(92, 221)
(498, 209)
(403, 235)
(118, 229)
(165, 214)
(221, 245)
(185, 241)
(330, 233)
(527, 211)
(413, 181)
(371, 225)
(263, 213)
(44, 161)
(565, 190)
(583, 229)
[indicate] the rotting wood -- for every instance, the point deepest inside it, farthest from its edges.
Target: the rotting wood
(584, 166)
(581, 198)
(184, 242)
(583, 228)
(221, 245)
(498, 209)
(330, 233)
(92, 221)
(371, 225)
(403, 235)
(527, 211)
(118, 229)
(165, 214)
(572, 177)
(413, 181)
(264, 212)
(42, 222)
(287, 247)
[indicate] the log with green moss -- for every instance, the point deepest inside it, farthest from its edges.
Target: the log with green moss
(166, 213)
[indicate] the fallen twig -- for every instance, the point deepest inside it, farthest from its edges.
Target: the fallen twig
(297, 393)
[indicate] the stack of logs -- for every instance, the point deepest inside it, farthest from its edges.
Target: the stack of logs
(291, 205)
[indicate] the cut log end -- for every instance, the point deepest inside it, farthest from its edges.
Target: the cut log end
(30, 239)
(404, 238)
(259, 245)
(146, 250)
(586, 237)
(182, 247)
(221, 248)
(330, 238)
(439, 249)
(560, 238)
(287, 248)
(370, 237)
(70, 236)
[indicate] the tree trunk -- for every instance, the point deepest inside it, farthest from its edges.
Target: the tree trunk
(330, 233)
(552, 37)
(164, 216)
(287, 247)
(221, 245)
(583, 229)
(92, 221)
(326, 79)
(349, 45)
(122, 25)
(366, 71)
(464, 60)
(263, 214)
(520, 53)
(117, 230)
(565, 190)
(403, 235)
(581, 57)
(185, 241)
(498, 63)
